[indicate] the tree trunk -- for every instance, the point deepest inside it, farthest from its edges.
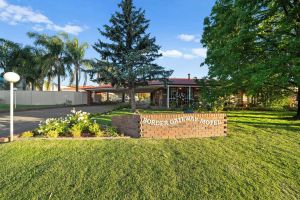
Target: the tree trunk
(298, 99)
(58, 83)
(32, 86)
(76, 78)
(132, 99)
(107, 96)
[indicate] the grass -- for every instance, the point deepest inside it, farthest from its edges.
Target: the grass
(259, 159)
(106, 119)
(5, 107)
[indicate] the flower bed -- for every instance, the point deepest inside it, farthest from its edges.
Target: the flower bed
(77, 124)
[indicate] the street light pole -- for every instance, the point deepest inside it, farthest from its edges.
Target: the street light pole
(12, 78)
(11, 111)
(15, 93)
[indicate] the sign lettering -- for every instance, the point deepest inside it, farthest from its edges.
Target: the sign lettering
(179, 120)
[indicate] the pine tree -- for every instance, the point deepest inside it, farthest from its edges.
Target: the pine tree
(127, 60)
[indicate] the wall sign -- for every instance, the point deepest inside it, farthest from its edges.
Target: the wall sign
(179, 120)
(169, 125)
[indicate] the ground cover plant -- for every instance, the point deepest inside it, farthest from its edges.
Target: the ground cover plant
(259, 159)
(77, 124)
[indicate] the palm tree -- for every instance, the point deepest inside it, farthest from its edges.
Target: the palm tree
(9, 52)
(24, 60)
(54, 58)
(30, 66)
(75, 54)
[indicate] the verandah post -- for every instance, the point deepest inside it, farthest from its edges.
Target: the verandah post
(168, 96)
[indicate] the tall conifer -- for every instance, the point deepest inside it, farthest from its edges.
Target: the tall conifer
(128, 52)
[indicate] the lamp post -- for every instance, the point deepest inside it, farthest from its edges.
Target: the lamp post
(12, 78)
(15, 90)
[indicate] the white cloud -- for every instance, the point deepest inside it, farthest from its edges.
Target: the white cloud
(200, 52)
(192, 54)
(189, 38)
(14, 14)
(186, 37)
(171, 53)
(2, 4)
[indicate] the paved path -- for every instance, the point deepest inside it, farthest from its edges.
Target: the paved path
(28, 120)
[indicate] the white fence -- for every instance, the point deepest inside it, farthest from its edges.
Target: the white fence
(45, 98)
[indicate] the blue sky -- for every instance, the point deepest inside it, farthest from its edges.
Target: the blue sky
(176, 24)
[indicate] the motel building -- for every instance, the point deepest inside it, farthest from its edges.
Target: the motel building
(177, 92)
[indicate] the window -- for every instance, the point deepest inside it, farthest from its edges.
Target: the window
(179, 96)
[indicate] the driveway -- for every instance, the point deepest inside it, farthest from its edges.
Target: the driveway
(28, 120)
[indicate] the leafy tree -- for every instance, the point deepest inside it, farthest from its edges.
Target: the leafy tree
(127, 59)
(253, 46)
(75, 55)
(212, 96)
(54, 58)
(9, 52)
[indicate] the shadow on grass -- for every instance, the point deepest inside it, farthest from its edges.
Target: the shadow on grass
(262, 113)
(272, 125)
(290, 118)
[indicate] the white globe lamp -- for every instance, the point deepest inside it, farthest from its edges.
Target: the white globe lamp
(12, 78)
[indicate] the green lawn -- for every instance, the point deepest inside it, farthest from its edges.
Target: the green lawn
(5, 107)
(259, 159)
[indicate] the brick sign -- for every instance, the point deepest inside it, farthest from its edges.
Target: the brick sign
(172, 125)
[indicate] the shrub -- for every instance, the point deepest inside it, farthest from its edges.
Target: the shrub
(111, 132)
(27, 134)
(58, 125)
(51, 134)
(282, 104)
(95, 130)
(76, 130)
(75, 124)
(120, 107)
(77, 117)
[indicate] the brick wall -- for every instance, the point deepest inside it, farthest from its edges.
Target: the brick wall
(129, 125)
(172, 125)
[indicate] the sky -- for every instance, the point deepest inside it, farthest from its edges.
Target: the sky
(176, 24)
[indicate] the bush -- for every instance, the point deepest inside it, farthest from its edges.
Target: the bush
(75, 124)
(95, 130)
(77, 117)
(57, 125)
(283, 104)
(124, 106)
(27, 134)
(76, 130)
(111, 132)
(52, 134)
(259, 108)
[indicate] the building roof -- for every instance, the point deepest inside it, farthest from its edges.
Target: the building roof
(81, 88)
(152, 85)
(176, 81)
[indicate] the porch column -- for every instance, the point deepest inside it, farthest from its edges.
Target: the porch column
(168, 96)
(190, 95)
(89, 98)
(107, 96)
(123, 97)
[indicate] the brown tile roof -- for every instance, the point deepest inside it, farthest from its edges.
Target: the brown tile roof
(73, 88)
(176, 81)
(172, 81)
